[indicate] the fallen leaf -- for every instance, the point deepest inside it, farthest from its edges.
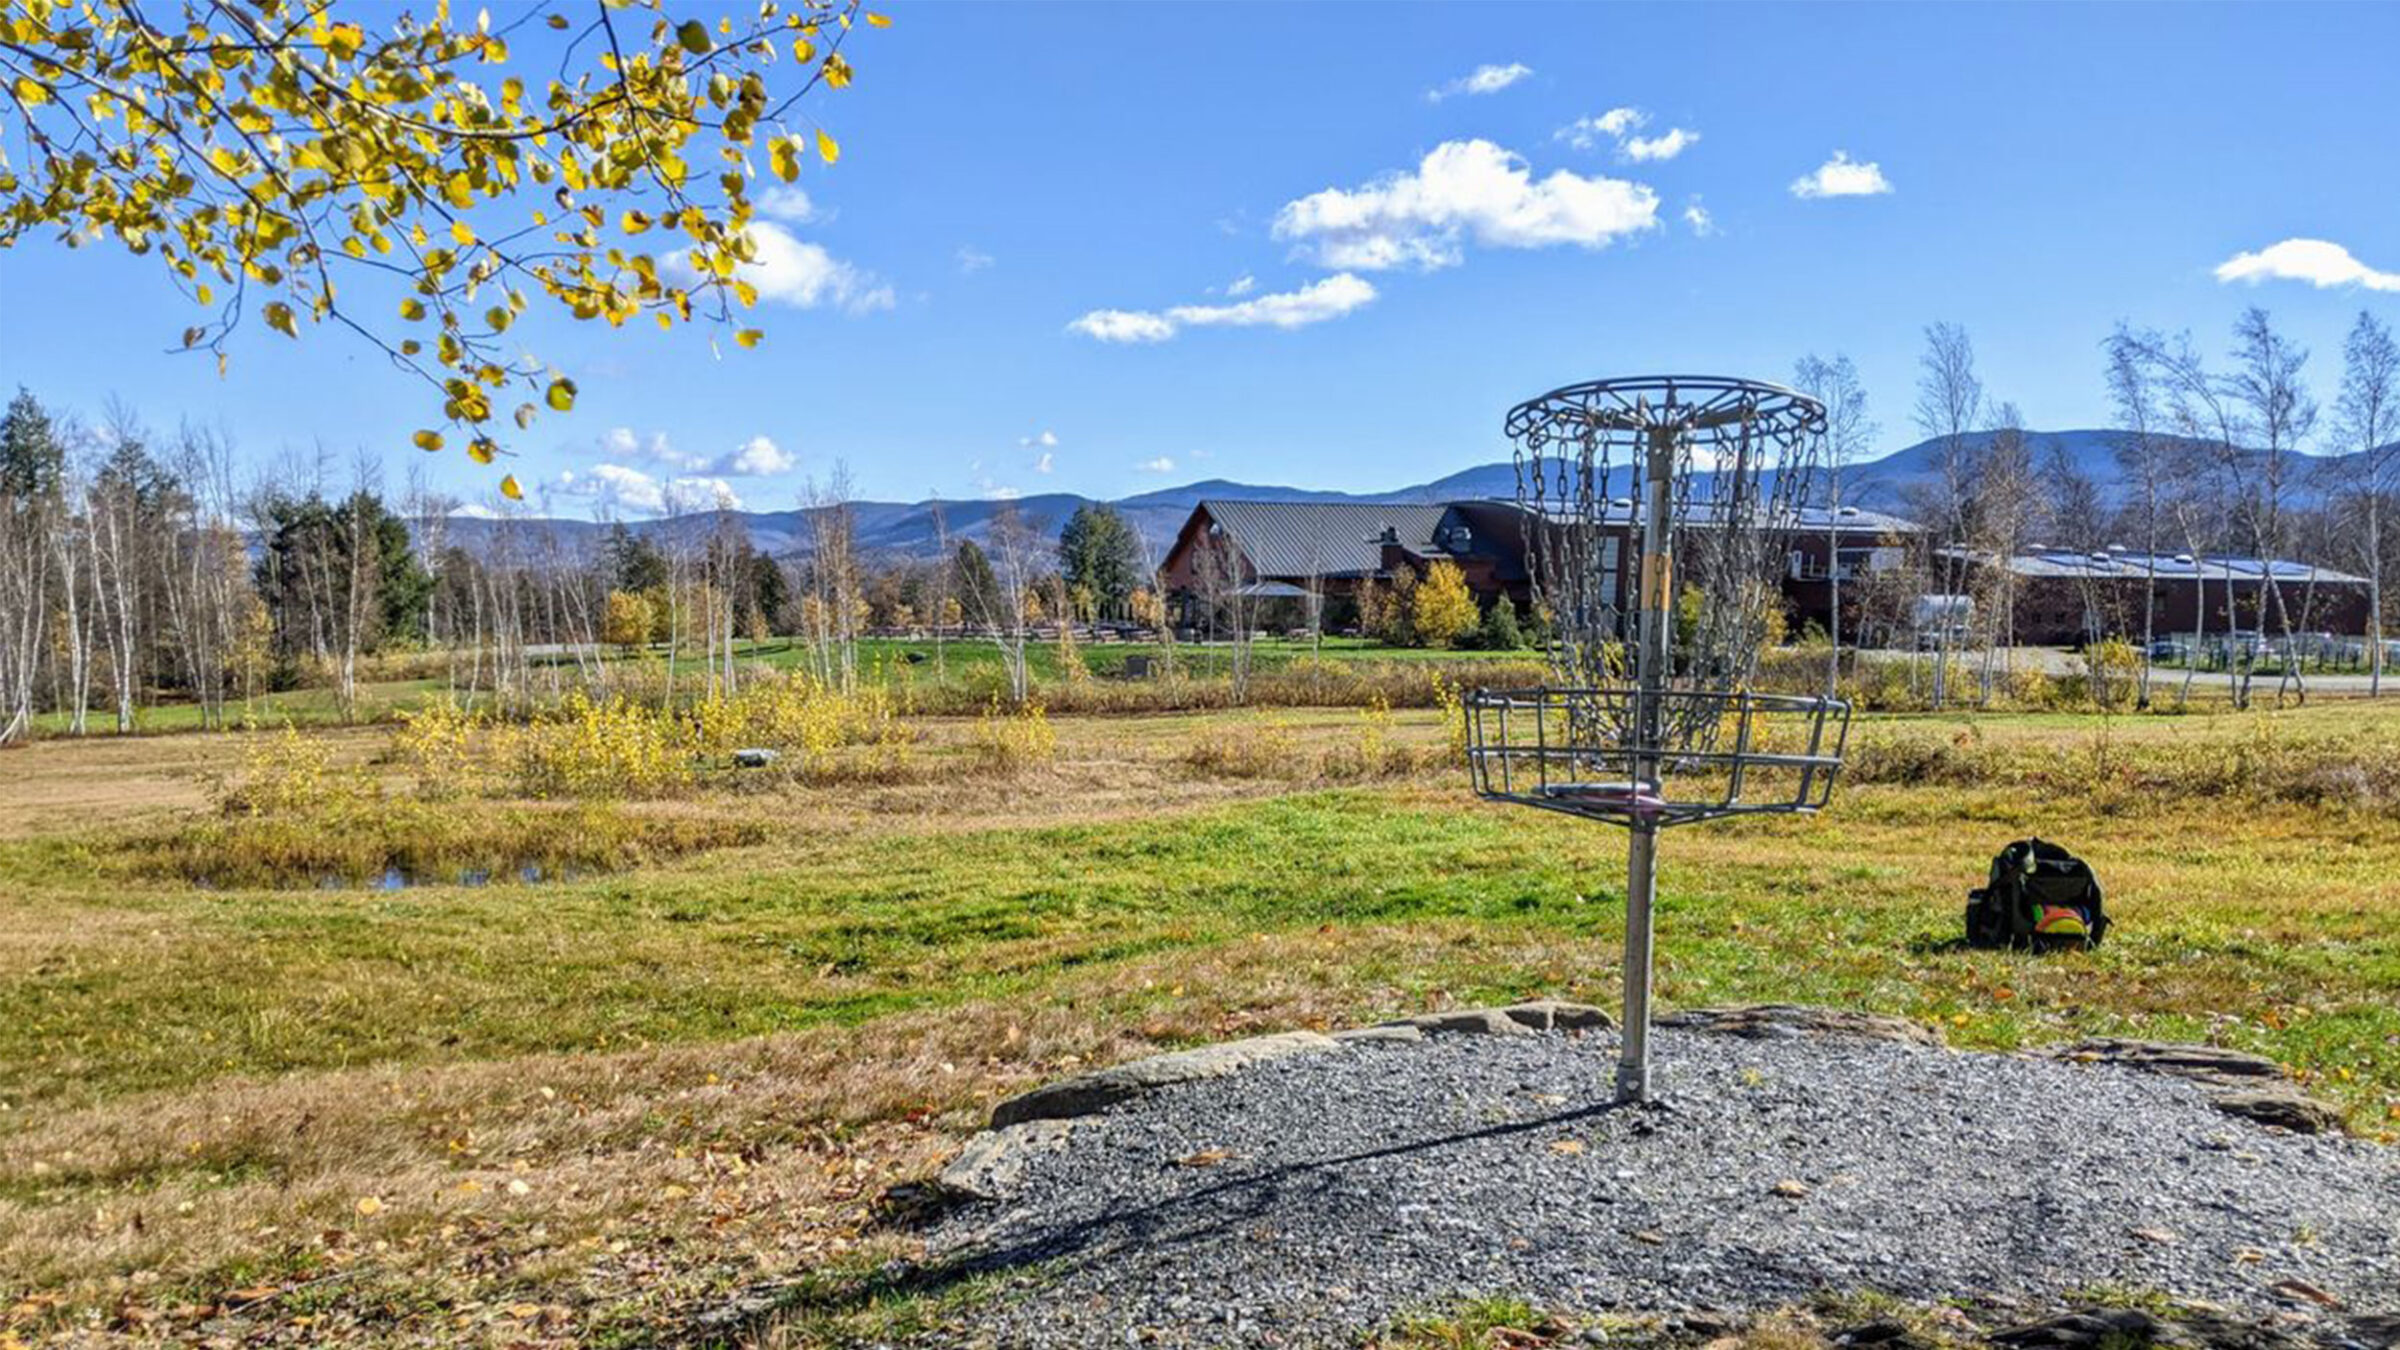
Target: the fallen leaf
(368, 1204)
(2302, 1289)
(2158, 1235)
(1207, 1157)
(1791, 1190)
(1566, 1146)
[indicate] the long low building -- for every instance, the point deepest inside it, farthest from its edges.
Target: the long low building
(1318, 554)
(2064, 597)
(1283, 549)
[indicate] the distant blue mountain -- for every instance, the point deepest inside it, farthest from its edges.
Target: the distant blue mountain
(915, 529)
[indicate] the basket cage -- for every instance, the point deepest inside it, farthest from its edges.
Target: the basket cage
(1584, 752)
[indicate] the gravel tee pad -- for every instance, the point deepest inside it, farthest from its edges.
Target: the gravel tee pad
(1321, 1190)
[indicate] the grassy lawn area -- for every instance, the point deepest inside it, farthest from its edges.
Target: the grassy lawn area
(967, 663)
(584, 1111)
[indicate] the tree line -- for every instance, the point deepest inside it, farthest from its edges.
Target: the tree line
(2215, 457)
(138, 569)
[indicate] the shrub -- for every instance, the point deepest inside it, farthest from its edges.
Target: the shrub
(1012, 741)
(285, 772)
(2112, 673)
(1499, 631)
(438, 742)
(585, 749)
(1441, 609)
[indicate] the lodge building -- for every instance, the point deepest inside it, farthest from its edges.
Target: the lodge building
(1321, 553)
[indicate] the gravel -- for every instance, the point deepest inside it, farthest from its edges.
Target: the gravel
(1307, 1200)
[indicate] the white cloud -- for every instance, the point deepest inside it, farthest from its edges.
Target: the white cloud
(1487, 79)
(1162, 464)
(1241, 285)
(1618, 125)
(1842, 176)
(1462, 189)
(786, 203)
(1327, 298)
(1123, 325)
(1041, 438)
(1046, 463)
(1643, 150)
(756, 457)
(753, 458)
(1586, 133)
(621, 487)
(627, 446)
(791, 271)
(2319, 262)
(1695, 215)
(972, 259)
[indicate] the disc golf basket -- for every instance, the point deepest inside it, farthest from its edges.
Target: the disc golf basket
(1651, 720)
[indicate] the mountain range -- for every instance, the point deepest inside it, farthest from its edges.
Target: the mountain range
(915, 529)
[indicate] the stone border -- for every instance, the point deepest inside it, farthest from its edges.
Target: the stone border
(2252, 1087)
(1036, 1122)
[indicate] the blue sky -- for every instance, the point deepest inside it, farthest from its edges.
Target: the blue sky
(1060, 238)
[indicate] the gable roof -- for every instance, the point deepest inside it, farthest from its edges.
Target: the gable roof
(1298, 539)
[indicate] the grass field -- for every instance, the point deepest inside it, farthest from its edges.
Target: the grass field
(973, 663)
(586, 1111)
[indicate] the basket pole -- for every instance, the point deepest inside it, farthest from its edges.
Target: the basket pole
(1650, 680)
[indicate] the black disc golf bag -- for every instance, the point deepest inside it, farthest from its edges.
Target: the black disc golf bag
(2039, 896)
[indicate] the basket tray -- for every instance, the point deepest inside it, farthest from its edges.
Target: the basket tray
(1577, 751)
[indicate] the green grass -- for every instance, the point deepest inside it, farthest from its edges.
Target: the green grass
(1850, 908)
(834, 1003)
(966, 663)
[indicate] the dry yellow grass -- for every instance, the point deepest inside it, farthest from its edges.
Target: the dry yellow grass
(586, 1113)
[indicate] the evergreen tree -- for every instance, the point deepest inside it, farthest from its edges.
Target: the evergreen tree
(767, 588)
(1099, 554)
(978, 590)
(634, 563)
(1500, 631)
(32, 457)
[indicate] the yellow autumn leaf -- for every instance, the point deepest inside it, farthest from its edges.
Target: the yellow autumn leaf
(460, 231)
(784, 159)
(692, 36)
(878, 21)
(827, 146)
(510, 490)
(748, 337)
(483, 449)
(562, 394)
(368, 1205)
(428, 441)
(279, 317)
(412, 309)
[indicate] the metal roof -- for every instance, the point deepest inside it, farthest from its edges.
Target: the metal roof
(1298, 539)
(1815, 520)
(2124, 563)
